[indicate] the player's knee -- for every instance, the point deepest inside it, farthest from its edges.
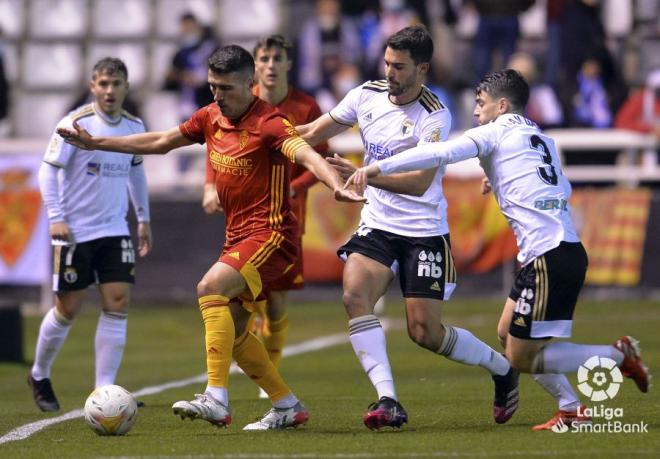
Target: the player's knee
(420, 334)
(204, 288)
(356, 304)
(117, 303)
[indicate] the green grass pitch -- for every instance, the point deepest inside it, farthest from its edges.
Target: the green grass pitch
(449, 405)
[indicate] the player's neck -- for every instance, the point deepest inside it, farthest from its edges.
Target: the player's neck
(407, 97)
(274, 95)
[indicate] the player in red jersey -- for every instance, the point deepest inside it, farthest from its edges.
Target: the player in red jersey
(272, 63)
(250, 145)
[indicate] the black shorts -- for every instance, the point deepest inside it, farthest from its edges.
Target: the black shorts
(108, 259)
(545, 292)
(424, 264)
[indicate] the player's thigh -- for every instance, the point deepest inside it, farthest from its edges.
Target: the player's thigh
(521, 352)
(426, 267)
(115, 296)
(276, 304)
(545, 293)
(364, 281)
(370, 258)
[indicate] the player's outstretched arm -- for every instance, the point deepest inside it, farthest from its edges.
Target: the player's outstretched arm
(147, 143)
(313, 162)
(414, 183)
(321, 129)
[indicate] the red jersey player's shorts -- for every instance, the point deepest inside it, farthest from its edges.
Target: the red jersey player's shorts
(293, 279)
(262, 259)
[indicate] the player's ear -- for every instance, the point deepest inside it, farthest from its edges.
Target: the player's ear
(424, 68)
(503, 106)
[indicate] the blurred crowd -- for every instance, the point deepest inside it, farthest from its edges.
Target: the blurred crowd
(582, 71)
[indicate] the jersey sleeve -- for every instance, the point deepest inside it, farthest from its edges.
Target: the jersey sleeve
(486, 137)
(435, 128)
(346, 112)
(193, 128)
(58, 153)
(277, 133)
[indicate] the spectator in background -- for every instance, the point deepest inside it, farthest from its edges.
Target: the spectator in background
(4, 92)
(327, 41)
(590, 104)
(543, 107)
(641, 111)
(187, 73)
(583, 39)
(498, 29)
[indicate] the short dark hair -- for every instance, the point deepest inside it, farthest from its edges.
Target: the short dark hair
(231, 58)
(507, 83)
(188, 16)
(273, 40)
(111, 66)
(416, 39)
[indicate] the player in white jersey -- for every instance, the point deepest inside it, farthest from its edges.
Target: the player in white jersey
(524, 173)
(86, 196)
(403, 233)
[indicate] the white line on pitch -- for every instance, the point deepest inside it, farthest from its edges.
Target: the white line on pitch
(316, 344)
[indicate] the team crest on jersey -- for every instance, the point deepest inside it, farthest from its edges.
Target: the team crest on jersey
(218, 134)
(406, 127)
(434, 136)
(93, 168)
(243, 138)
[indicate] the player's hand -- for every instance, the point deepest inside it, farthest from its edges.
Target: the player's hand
(145, 240)
(342, 165)
(61, 233)
(486, 186)
(77, 137)
(210, 200)
(344, 195)
(360, 178)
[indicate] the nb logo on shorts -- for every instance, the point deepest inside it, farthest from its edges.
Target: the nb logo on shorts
(127, 252)
(522, 305)
(426, 266)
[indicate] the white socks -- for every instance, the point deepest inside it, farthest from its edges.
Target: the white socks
(368, 339)
(109, 343)
(563, 357)
(52, 333)
(559, 387)
(462, 346)
(219, 393)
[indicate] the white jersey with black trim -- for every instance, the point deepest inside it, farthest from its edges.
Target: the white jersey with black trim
(93, 185)
(525, 173)
(386, 130)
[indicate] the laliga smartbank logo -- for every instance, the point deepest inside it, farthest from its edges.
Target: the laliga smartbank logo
(599, 378)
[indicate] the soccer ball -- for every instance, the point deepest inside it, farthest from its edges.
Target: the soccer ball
(110, 410)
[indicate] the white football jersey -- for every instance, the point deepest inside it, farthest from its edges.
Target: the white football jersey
(386, 130)
(93, 185)
(525, 172)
